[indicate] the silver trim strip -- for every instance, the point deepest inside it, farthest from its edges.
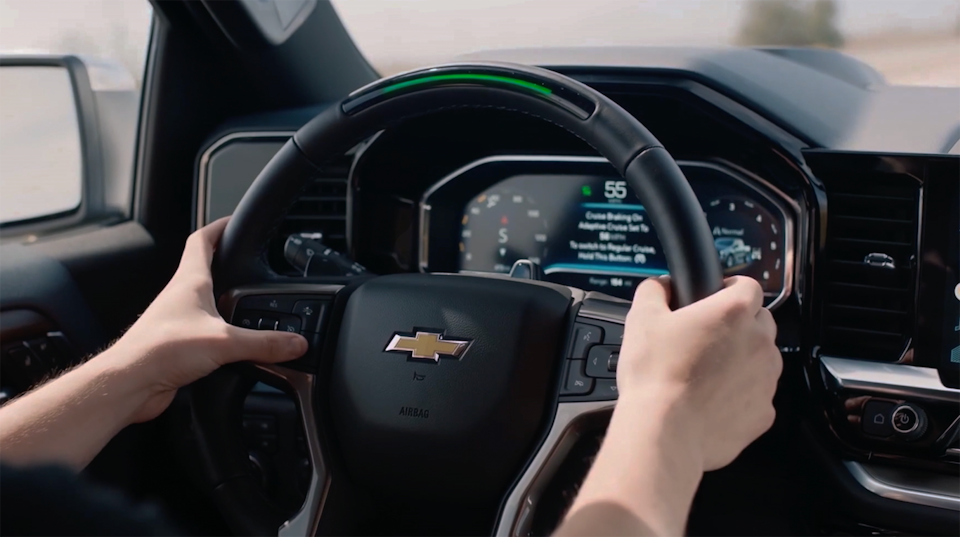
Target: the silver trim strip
(889, 379)
(202, 173)
(515, 517)
(306, 520)
(751, 181)
(923, 488)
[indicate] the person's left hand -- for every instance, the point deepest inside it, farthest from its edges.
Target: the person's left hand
(181, 337)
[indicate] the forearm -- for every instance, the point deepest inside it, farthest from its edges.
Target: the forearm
(647, 468)
(70, 419)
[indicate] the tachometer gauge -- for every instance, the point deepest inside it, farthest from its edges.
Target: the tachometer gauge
(749, 240)
(499, 227)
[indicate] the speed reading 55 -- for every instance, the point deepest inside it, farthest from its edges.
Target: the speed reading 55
(615, 190)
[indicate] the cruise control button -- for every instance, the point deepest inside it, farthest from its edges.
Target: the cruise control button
(44, 350)
(576, 383)
(23, 362)
(278, 304)
(311, 311)
(259, 425)
(289, 323)
(246, 319)
(605, 390)
(267, 323)
(876, 418)
(598, 361)
(266, 443)
(584, 336)
(612, 333)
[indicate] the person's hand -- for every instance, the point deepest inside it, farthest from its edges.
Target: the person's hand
(716, 360)
(181, 338)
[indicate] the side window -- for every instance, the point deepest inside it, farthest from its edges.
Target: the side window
(70, 78)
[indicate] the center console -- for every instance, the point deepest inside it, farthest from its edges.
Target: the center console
(892, 410)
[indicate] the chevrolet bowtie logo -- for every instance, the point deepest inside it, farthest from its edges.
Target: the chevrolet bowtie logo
(427, 345)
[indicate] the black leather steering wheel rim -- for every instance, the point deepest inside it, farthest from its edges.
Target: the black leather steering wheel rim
(633, 151)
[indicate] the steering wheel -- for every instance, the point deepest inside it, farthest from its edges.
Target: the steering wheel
(452, 388)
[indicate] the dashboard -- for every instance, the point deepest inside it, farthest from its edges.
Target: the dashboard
(581, 222)
(846, 217)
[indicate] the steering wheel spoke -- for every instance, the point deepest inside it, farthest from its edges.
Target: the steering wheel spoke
(302, 308)
(588, 394)
(303, 388)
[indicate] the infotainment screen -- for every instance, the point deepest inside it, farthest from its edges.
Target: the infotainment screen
(950, 350)
(938, 307)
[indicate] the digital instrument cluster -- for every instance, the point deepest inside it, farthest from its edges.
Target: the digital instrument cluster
(586, 228)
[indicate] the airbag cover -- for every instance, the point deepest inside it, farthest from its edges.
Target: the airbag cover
(428, 425)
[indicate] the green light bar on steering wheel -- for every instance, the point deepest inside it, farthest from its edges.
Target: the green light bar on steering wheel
(484, 76)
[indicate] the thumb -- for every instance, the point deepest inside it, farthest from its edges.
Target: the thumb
(264, 346)
(653, 295)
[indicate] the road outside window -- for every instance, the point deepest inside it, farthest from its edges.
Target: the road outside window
(910, 42)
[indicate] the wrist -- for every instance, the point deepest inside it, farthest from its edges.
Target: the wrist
(664, 422)
(125, 370)
(651, 461)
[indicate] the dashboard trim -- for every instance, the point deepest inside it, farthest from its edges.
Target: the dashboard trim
(898, 484)
(204, 163)
(887, 378)
(781, 201)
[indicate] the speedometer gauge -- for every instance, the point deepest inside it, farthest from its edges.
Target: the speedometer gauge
(748, 239)
(499, 227)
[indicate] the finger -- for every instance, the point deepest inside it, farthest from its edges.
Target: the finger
(744, 290)
(263, 346)
(653, 295)
(767, 325)
(198, 252)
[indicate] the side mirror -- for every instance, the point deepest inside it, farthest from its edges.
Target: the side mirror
(67, 139)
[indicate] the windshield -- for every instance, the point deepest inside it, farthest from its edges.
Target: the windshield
(910, 42)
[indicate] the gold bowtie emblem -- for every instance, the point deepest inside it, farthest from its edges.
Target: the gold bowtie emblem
(427, 345)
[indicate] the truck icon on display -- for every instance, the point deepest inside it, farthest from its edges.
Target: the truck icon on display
(732, 251)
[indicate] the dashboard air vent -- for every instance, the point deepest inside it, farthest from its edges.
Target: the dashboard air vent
(867, 278)
(322, 208)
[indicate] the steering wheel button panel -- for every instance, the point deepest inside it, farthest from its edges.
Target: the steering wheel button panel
(576, 382)
(289, 323)
(267, 323)
(599, 360)
(585, 336)
(278, 304)
(606, 390)
(311, 312)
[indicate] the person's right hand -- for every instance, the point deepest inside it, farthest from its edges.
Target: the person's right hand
(716, 359)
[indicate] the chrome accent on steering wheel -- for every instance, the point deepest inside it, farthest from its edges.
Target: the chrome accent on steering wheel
(571, 421)
(305, 521)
